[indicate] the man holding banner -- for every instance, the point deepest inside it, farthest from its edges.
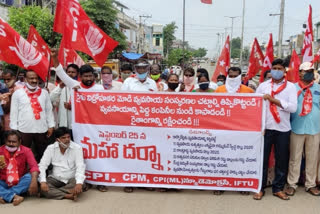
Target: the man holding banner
(281, 97)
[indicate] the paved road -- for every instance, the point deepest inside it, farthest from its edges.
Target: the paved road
(185, 202)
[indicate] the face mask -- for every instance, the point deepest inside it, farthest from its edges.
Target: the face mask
(276, 74)
(308, 76)
(64, 146)
(11, 149)
(220, 83)
(31, 87)
(125, 76)
(173, 85)
(155, 77)
(142, 76)
(233, 84)
(10, 83)
(204, 85)
(188, 80)
(106, 79)
(75, 78)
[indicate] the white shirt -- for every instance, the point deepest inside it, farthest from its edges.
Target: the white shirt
(212, 85)
(60, 96)
(65, 166)
(133, 84)
(22, 116)
(288, 100)
(71, 83)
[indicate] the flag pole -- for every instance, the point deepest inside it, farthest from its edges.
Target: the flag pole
(48, 75)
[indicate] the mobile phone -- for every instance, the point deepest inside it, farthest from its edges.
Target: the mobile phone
(2, 159)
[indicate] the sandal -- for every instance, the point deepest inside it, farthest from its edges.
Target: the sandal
(290, 191)
(87, 187)
(217, 192)
(128, 189)
(258, 196)
(102, 188)
(281, 195)
(313, 191)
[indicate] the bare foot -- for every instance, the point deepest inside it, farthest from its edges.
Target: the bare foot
(69, 196)
(2, 201)
(17, 200)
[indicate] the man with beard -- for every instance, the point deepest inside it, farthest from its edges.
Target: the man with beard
(87, 79)
(18, 170)
(68, 172)
(61, 95)
(31, 114)
(233, 83)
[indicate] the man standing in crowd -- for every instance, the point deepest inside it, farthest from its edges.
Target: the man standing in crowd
(107, 80)
(86, 76)
(31, 114)
(61, 95)
(233, 83)
(155, 73)
(68, 172)
(305, 132)
(18, 170)
(281, 97)
(125, 72)
(141, 82)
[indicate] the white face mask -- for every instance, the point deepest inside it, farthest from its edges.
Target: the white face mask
(64, 146)
(31, 87)
(233, 84)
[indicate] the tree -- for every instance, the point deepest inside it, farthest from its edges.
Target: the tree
(175, 56)
(235, 47)
(41, 18)
(201, 52)
(104, 15)
(168, 37)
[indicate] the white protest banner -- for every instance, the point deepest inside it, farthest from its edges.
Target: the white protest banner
(170, 140)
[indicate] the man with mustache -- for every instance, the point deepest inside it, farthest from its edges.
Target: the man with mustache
(87, 80)
(18, 170)
(31, 114)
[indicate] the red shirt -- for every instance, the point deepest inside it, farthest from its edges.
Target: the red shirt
(25, 160)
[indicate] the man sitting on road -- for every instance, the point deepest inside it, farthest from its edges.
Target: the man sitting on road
(18, 170)
(68, 172)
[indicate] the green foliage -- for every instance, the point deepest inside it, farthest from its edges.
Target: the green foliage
(21, 18)
(175, 56)
(245, 54)
(201, 52)
(168, 37)
(104, 15)
(235, 47)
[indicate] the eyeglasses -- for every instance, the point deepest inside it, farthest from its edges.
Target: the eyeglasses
(188, 75)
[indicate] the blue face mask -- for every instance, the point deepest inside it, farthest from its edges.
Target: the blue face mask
(142, 76)
(276, 74)
(220, 83)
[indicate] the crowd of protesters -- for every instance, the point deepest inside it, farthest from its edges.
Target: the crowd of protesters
(39, 157)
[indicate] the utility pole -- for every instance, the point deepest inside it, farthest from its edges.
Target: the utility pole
(218, 45)
(183, 31)
(281, 22)
(141, 33)
(242, 31)
(232, 19)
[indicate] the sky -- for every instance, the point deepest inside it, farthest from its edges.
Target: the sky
(203, 21)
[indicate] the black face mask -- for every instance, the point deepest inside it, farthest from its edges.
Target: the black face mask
(172, 85)
(204, 86)
(308, 76)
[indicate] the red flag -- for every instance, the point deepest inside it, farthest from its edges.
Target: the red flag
(14, 49)
(206, 1)
(255, 61)
(69, 56)
(268, 59)
(38, 42)
(306, 51)
(223, 63)
(80, 32)
(293, 70)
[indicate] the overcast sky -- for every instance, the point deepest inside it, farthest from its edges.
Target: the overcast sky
(203, 22)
